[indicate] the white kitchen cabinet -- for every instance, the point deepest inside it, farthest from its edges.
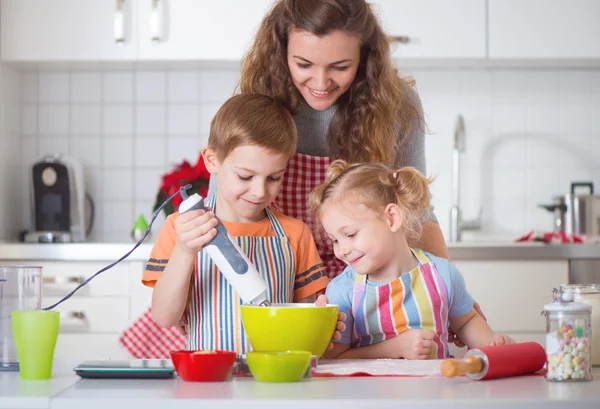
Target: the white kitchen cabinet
(68, 30)
(512, 293)
(538, 29)
(435, 28)
(198, 30)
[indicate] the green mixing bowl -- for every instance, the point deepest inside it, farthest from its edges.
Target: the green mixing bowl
(286, 366)
(290, 327)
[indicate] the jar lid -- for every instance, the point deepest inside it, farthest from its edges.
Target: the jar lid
(563, 301)
(581, 288)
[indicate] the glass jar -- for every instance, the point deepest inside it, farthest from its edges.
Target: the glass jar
(568, 336)
(589, 294)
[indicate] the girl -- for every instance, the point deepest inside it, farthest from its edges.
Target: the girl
(399, 301)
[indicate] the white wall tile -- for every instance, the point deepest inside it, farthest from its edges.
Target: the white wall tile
(56, 144)
(147, 183)
(180, 149)
(183, 119)
(150, 86)
(30, 87)
(117, 219)
(87, 150)
(217, 86)
(86, 87)
(207, 112)
(29, 150)
(117, 152)
(150, 152)
(150, 120)
(118, 120)
(542, 87)
(53, 120)
(85, 120)
(29, 119)
(117, 184)
(53, 87)
(182, 86)
(118, 87)
(575, 87)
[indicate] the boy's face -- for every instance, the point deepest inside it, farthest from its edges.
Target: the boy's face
(360, 238)
(248, 180)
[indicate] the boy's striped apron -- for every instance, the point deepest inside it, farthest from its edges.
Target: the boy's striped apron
(214, 320)
(418, 299)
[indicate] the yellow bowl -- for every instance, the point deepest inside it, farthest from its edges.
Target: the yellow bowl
(284, 327)
(285, 366)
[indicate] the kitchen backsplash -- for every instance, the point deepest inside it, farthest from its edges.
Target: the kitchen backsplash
(529, 133)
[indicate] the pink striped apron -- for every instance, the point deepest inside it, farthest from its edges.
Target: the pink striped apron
(418, 299)
(304, 173)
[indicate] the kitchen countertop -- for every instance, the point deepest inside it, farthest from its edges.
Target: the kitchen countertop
(66, 391)
(475, 250)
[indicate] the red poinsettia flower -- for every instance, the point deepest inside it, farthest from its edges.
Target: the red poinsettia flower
(198, 176)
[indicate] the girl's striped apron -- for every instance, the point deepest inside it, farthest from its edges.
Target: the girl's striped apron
(214, 320)
(418, 299)
(304, 173)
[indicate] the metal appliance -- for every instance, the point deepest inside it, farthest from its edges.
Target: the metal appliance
(576, 213)
(58, 197)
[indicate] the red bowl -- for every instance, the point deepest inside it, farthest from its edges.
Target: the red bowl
(203, 366)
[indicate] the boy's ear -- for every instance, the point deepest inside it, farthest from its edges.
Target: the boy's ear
(394, 217)
(210, 159)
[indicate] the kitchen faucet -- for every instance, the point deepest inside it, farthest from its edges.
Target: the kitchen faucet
(457, 224)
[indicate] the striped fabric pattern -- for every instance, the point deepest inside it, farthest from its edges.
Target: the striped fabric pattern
(214, 314)
(418, 299)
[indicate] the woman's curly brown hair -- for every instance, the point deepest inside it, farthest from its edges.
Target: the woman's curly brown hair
(376, 106)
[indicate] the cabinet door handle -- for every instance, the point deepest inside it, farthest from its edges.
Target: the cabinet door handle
(399, 39)
(63, 280)
(73, 321)
(156, 21)
(119, 22)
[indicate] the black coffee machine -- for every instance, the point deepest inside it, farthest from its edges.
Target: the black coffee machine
(59, 201)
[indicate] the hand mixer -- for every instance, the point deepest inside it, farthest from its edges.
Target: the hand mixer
(222, 249)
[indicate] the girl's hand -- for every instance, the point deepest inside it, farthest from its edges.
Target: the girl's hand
(194, 229)
(416, 343)
(340, 326)
(499, 339)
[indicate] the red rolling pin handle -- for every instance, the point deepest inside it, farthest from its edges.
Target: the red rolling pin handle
(498, 361)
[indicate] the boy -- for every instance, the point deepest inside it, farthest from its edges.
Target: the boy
(252, 138)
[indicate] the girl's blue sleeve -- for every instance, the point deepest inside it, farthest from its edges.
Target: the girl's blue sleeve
(462, 301)
(340, 293)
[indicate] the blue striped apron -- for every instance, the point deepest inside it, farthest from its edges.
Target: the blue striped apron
(214, 319)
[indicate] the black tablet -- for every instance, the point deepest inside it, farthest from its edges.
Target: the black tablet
(124, 369)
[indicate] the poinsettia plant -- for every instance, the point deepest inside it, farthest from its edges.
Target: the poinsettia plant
(183, 174)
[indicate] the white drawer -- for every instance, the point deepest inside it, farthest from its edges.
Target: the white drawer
(76, 348)
(512, 294)
(92, 314)
(62, 277)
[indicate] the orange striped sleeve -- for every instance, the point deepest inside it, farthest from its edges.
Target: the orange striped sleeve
(161, 252)
(310, 272)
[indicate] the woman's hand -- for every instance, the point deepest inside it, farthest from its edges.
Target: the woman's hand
(340, 326)
(194, 230)
(415, 343)
(453, 338)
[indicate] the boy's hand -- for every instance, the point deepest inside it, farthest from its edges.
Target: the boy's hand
(416, 343)
(194, 230)
(499, 339)
(340, 326)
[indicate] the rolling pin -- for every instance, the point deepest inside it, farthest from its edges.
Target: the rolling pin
(497, 361)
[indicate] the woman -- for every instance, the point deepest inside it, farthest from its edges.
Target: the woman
(328, 61)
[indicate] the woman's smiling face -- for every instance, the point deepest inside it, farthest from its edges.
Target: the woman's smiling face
(322, 68)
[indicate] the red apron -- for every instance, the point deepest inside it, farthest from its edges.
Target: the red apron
(304, 174)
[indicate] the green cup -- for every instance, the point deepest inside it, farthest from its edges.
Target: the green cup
(35, 333)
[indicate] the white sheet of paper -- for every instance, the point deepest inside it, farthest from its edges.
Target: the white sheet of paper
(380, 367)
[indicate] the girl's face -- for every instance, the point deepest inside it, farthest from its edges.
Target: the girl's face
(322, 68)
(248, 180)
(361, 238)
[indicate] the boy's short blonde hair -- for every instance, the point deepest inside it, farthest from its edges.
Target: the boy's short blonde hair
(252, 119)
